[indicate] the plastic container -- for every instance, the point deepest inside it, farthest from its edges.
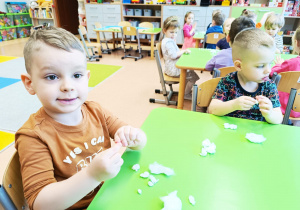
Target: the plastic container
(147, 12)
(6, 21)
(20, 20)
(138, 12)
(23, 32)
(8, 34)
(157, 13)
(126, 1)
(130, 12)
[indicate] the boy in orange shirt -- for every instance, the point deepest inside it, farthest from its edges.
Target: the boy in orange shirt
(64, 148)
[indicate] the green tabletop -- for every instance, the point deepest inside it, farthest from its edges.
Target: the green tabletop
(240, 175)
(199, 35)
(200, 56)
(150, 31)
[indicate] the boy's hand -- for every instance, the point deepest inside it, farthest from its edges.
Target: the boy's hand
(278, 60)
(129, 136)
(244, 103)
(106, 164)
(265, 105)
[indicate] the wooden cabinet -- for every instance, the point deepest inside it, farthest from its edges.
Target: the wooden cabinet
(41, 15)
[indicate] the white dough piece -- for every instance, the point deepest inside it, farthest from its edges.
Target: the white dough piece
(255, 138)
(139, 191)
(206, 143)
(171, 201)
(136, 167)
(145, 174)
(203, 152)
(230, 126)
(150, 184)
(211, 149)
(156, 168)
(192, 200)
(153, 179)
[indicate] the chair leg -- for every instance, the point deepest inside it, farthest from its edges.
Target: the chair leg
(5, 200)
(289, 106)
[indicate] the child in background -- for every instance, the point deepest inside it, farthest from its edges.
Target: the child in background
(224, 57)
(273, 24)
(213, 13)
(248, 93)
(189, 31)
(249, 14)
(171, 54)
(64, 148)
(222, 43)
(216, 27)
(292, 64)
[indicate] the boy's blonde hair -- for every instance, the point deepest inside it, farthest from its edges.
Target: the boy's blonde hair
(215, 12)
(52, 36)
(228, 21)
(274, 20)
(219, 18)
(171, 22)
(187, 14)
(252, 39)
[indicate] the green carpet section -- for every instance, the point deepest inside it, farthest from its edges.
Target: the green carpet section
(100, 72)
(6, 139)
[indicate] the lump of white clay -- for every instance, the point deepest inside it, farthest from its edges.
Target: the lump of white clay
(255, 138)
(207, 147)
(203, 152)
(230, 126)
(145, 174)
(171, 201)
(156, 168)
(192, 200)
(153, 179)
(139, 191)
(150, 184)
(136, 167)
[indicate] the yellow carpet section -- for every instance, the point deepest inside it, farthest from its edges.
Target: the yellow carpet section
(6, 139)
(6, 58)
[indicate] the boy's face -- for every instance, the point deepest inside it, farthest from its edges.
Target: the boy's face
(59, 79)
(272, 31)
(255, 66)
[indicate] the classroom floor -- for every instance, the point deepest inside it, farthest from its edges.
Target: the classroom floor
(126, 93)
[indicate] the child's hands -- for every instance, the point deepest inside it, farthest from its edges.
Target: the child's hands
(265, 105)
(278, 60)
(131, 137)
(106, 164)
(194, 25)
(244, 103)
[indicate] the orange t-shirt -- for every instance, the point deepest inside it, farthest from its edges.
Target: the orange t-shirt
(52, 152)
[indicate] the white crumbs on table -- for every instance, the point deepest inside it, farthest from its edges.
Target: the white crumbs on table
(255, 138)
(207, 147)
(230, 126)
(136, 167)
(192, 200)
(171, 201)
(139, 191)
(156, 168)
(145, 174)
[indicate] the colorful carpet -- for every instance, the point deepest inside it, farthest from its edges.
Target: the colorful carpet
(17, 104)
(6, 139)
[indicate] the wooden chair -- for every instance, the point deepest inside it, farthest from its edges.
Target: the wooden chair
(107, 50)
(131, 31)
(11, 191)
(222, 72)
(202, 95)
(213, 38)
(148, 40)
(88, 45)
(164, 80)
(289, 82)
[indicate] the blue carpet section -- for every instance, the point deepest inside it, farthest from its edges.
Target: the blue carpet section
(4, 82)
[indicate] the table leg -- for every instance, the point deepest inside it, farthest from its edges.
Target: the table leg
(99, 41)
(152, 46)
(197, 43)
(114, 40)
(181, 89)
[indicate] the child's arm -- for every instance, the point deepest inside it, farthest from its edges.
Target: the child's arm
(280, 67)
(210, 65)
(220, 108)
(272, 115)
(63, 194)
(192, 32)
(131, 137)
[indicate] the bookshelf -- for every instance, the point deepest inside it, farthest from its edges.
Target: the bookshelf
(41, 15)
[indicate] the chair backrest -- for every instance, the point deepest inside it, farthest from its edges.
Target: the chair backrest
(289, 80)
(98, 25)
(12, 182)
(146, 25)
(206, 91)
(124, 23)
(129, 31)
(222, 72)
(213, 38)
(82, 32)
(158, 47)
